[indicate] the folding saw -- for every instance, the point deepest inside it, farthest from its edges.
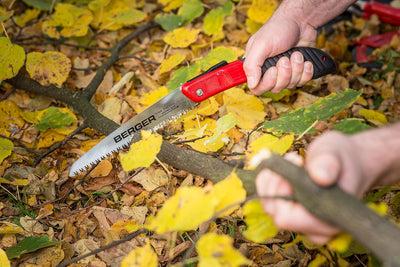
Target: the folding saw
(218, 78)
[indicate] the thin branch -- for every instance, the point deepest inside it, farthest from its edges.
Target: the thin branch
(60, 144)
(98, 78)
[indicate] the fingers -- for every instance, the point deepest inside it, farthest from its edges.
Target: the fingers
(288, 73)
(290, 215)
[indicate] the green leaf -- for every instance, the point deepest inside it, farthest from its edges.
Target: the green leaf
(182, 75)
(214, 21)
(300, 120)
(190, 10)
(6, 16)
(54, 118)
(6, 147)
(351, 126)
(12, 58)
(42, 4)
(217, 55)
(169, 22)
(29, 244)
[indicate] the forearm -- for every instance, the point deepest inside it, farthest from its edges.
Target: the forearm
(312, 12)
(380, 154)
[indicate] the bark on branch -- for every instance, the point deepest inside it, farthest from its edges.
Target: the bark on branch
(330, 204)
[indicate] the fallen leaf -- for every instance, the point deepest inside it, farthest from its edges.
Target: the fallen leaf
(375, 117)
(4, 262)
(181, 37)
(260, 226)
(171, 62)
(230, 193)
(151, 178)
(29, 244)
(67, 20)
(177, 212)
(261, 10)
(12, 58)
(48, 68)
(270, 142)
(143, 152)
(247, 109)
(141, 257)
(6, 148)
(217, 250)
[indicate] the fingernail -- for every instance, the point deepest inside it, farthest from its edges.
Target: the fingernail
(284, 62)
(273, 73)
(251, 82)
(298, 57)
(308, 67)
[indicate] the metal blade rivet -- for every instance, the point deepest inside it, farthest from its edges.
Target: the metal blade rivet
(199, 92)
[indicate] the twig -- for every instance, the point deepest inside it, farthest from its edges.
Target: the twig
(70, 190)
(98, 78)
(60, 144)
(140, 59)
(111, 245)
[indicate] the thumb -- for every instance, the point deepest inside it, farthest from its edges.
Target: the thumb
(324, 158)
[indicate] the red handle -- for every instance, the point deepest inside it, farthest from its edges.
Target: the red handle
(386, 13)
(215, 81)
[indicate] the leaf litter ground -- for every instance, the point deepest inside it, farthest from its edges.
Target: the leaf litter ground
(230, 126)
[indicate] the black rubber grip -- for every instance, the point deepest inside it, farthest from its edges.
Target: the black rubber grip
(322, 62)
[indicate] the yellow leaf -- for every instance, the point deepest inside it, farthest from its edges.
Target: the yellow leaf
(375, 117)
(171, 4)
(272, 143)
(260, 226)
(177, 212)
(204, 144)
(252, 27)
(218, 251)
(247, 109)
(115, 14)
(4, 262)
(141, 257)
(229, 192)
(48, 68)
(261, 10)
(181, 37)
(341, 242)
(6, 148)
(48, 138)
(12, 58)
(318, 261)
(10, 228)
(20, 182)
(171, 62)
(127, 225)
(143, 152)
(141, 103)
(67, 21)
(205, 108)
(224, 124)
(29, 15)
(10, 119)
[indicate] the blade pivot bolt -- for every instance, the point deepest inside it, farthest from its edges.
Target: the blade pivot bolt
(199, 92)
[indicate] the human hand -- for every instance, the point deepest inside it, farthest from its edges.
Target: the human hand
(278, 35)
(331, 158)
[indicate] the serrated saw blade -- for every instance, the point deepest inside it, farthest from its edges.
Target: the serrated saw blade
(165, 110)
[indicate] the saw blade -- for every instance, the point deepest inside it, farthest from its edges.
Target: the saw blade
(165, 110)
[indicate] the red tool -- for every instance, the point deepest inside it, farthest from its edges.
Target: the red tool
(386, 13)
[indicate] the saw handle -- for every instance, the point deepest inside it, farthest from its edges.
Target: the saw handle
(223, 76)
